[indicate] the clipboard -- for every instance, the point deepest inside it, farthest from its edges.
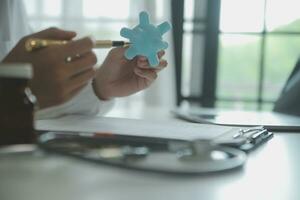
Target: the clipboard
(272, 121)
(172, 147)
(243, 138)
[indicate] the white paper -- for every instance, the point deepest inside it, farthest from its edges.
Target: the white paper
(270, 120)
(134, 127)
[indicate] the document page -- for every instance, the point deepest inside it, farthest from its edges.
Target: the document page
(134, 127)
(271, 120)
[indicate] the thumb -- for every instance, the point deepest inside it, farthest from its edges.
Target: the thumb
(118, 52)
(55, 34)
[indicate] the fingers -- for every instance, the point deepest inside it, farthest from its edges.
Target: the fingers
(118, 53)
(76, 47)
(161, 54)
(81, 79)
(142, 58)
(145, 65)
(148, 74)
(83, 63)
(162, 64)
(72, 48)
(145, 71)
(142, 61)
(55, 33)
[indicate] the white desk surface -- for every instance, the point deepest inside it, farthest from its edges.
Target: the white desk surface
(271, 172)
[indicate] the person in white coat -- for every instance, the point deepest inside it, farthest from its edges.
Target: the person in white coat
(74, 87)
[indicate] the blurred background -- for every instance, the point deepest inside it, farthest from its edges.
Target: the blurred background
(236, 54)
(104, 19)
(223, 53)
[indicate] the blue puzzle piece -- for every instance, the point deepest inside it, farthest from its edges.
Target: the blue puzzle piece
(146, 39)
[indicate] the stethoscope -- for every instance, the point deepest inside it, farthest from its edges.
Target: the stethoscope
(142, 154)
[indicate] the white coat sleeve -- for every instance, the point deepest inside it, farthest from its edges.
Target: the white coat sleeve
(84, 103)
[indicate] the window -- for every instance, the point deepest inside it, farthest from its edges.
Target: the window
(258, 43)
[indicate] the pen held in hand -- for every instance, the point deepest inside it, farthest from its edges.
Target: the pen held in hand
(35, 43)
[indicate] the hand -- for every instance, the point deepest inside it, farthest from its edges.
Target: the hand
(118, 77)
(56, 81)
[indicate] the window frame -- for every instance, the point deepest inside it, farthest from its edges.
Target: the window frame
(212, 33)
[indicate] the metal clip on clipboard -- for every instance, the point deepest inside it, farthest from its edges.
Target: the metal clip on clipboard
(246, 139)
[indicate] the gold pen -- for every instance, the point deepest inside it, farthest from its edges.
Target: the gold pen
(35, 43)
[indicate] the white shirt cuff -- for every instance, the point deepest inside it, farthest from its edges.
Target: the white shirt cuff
(84, 103)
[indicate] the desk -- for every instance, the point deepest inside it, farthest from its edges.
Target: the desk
(271, 172)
